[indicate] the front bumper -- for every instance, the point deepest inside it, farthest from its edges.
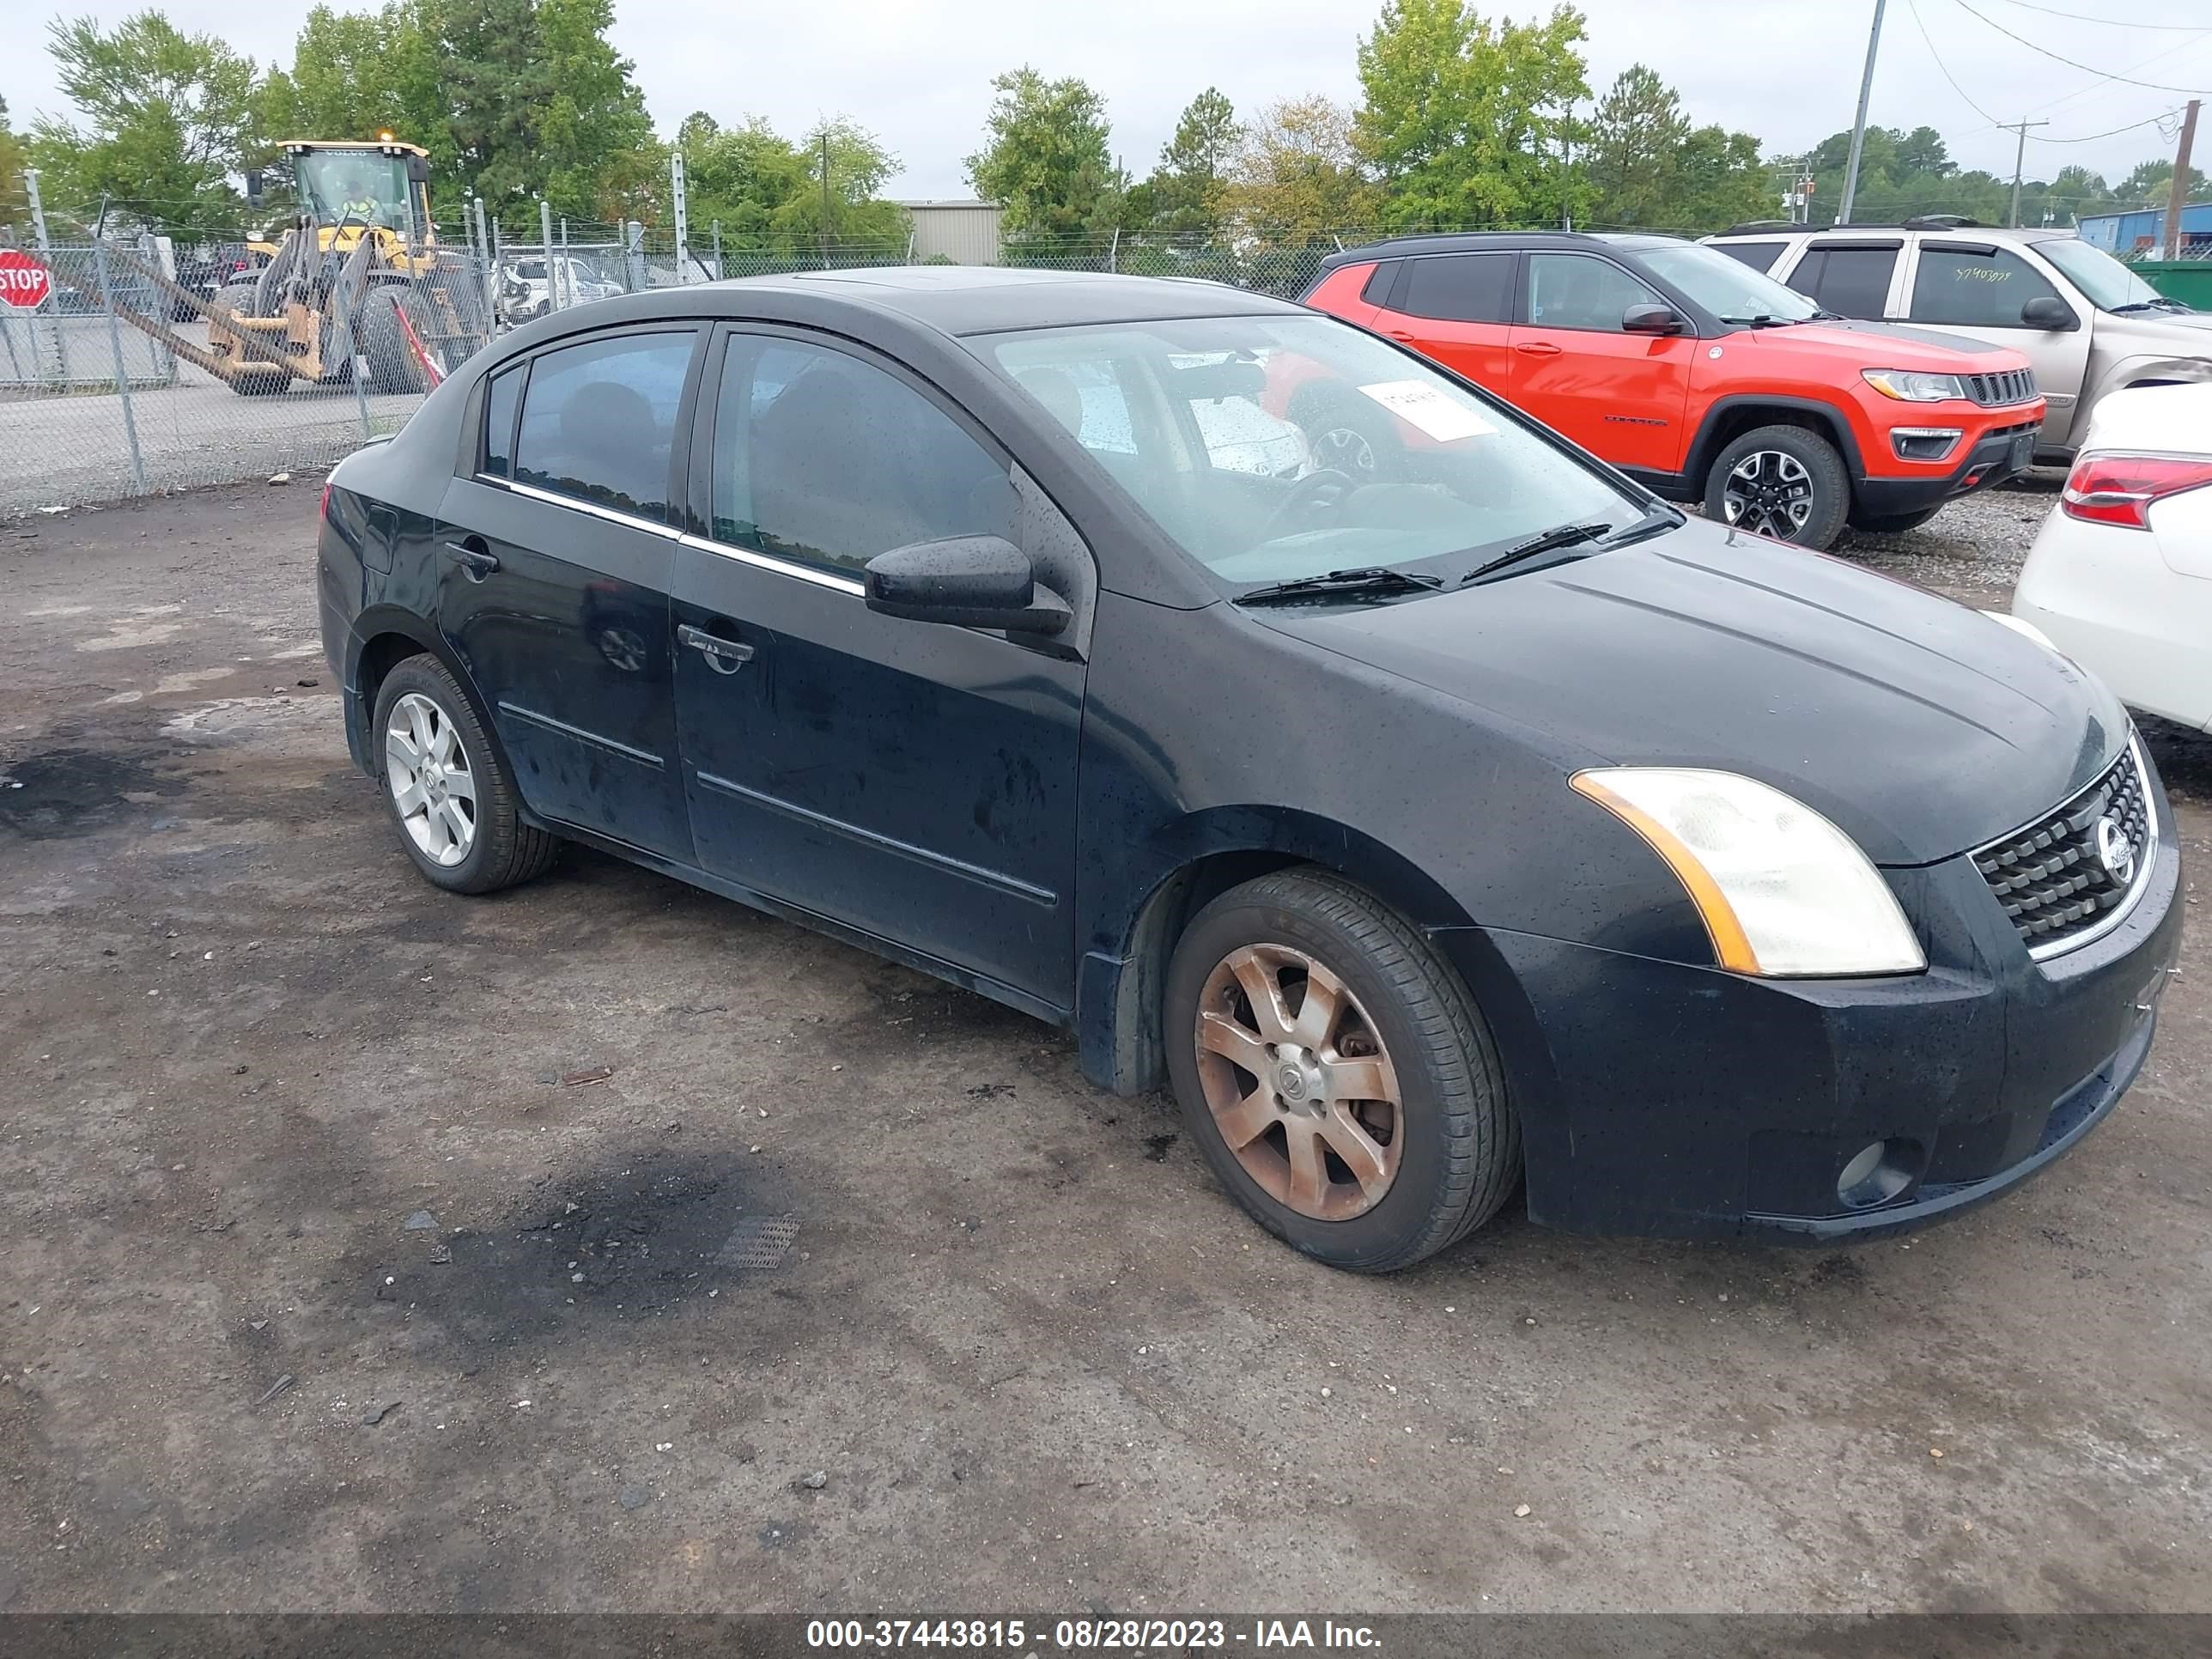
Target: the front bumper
(1661, 1098)
(1997, 455)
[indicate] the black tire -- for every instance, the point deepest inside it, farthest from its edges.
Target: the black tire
(378, 337)
(1351, 437)
(1458, 1144)
(1893, 524)
(235, 296)
(505, 850)
(1828, 485)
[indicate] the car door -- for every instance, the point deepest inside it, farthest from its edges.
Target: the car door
(1456, 308)
(1620, 396)
(1852, 279)
(555, 559)
(910, 780)
(1979, 290)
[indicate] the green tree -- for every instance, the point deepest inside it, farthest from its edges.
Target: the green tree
(538, 101)
(1467, 122)
(356, 74)
(1184, 196)
(168, 119)
(1647, 165)
(858, 167)
(2152, 185)
(1046, 162)
(14, 201)
(766, 192)
(1297, 175)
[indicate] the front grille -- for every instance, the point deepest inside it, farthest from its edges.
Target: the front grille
(2013, 386)
(2063, 879)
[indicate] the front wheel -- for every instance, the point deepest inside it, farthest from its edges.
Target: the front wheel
(1335, 1073)
(456, 808)
(1783, 481)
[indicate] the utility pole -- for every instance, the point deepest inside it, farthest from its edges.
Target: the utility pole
(2019, 159)
(826, 197)
(2180, 181)
(1858, 126)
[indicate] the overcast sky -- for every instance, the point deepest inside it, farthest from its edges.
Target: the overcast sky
(919, 75)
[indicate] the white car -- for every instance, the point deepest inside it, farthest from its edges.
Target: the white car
(2120, 576)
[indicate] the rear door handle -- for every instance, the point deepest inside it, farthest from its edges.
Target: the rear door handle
(723, 656)
(1401, 337)
(475, 562)
(1539, 348)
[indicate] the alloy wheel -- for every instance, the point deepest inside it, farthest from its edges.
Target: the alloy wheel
(1299, 1085)
(1769, 492)
(432, 784)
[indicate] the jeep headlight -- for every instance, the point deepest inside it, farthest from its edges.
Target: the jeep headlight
(1782, 892)
(1909, 386)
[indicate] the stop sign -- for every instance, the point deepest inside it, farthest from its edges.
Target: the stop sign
(23, 281)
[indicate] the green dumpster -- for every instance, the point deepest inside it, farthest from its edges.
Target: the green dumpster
(2189, 281)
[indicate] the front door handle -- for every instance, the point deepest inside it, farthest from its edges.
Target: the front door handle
(723, 656)
(475, 562)
(1539, 348)
(1402, 336)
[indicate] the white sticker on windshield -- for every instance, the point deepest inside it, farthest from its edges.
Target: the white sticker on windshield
(1422, 406)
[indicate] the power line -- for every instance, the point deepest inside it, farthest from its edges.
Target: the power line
(2163, 51)
(1920, 24)
(2091, 138)
(2155, 86)
(2108, 23)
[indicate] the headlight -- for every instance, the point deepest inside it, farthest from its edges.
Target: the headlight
(1783, 892)
(1909, 386)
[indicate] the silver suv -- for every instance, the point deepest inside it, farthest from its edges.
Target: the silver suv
(2088, 324)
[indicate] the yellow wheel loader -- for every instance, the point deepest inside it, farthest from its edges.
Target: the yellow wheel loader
(358, 286)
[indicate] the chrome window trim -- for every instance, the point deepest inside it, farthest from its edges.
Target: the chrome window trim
(2146, 864)
(804, 572)
(697, 543)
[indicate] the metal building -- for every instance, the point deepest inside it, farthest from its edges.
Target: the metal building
(966, 233)
(2127, 233)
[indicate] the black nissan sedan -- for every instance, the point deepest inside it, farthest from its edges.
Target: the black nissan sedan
(1425, 804)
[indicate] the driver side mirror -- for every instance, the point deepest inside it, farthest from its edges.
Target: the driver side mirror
(2047, 310)
(968, 582)
(1652, 319)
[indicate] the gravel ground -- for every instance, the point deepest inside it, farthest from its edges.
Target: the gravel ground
(602, 1245)
(1974, 548)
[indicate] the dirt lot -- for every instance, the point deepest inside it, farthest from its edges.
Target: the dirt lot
(328, 1280)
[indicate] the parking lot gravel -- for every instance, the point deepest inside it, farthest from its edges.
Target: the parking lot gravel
(603, 1245)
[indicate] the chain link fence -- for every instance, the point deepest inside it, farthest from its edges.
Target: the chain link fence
(144, 367)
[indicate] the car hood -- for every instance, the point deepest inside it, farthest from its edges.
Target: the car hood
(2189, 332)
(1920, 728)
(1896, 345)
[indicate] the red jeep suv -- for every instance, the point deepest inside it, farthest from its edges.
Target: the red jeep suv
(1698, 376)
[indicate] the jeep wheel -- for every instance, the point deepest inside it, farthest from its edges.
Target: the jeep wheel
(1782, 482)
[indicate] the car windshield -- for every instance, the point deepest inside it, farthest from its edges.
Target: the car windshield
(2103, 280)
(1276, 449)
(1727, 287)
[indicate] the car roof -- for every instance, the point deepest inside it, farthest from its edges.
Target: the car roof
(1476, 241)
(1967, 233)
(957, 299)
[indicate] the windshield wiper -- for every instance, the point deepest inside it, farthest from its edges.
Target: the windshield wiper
(2161, 304)
(1765, 319)
(1365, 579)
(1559, 536)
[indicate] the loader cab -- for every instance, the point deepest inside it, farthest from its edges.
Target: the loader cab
(382, 184)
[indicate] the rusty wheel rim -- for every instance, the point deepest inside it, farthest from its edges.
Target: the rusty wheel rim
(1299, 1083)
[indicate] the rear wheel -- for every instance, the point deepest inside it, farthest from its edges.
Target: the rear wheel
(456, 808)
(1335, 1073)
(1781, 481)
(381, 338)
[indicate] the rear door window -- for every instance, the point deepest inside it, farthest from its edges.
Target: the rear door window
(598, 420)
(1974, 288)
(1851, 281)
(1459, 287)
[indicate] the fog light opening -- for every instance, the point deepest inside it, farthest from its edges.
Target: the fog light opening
(1876, 1174)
